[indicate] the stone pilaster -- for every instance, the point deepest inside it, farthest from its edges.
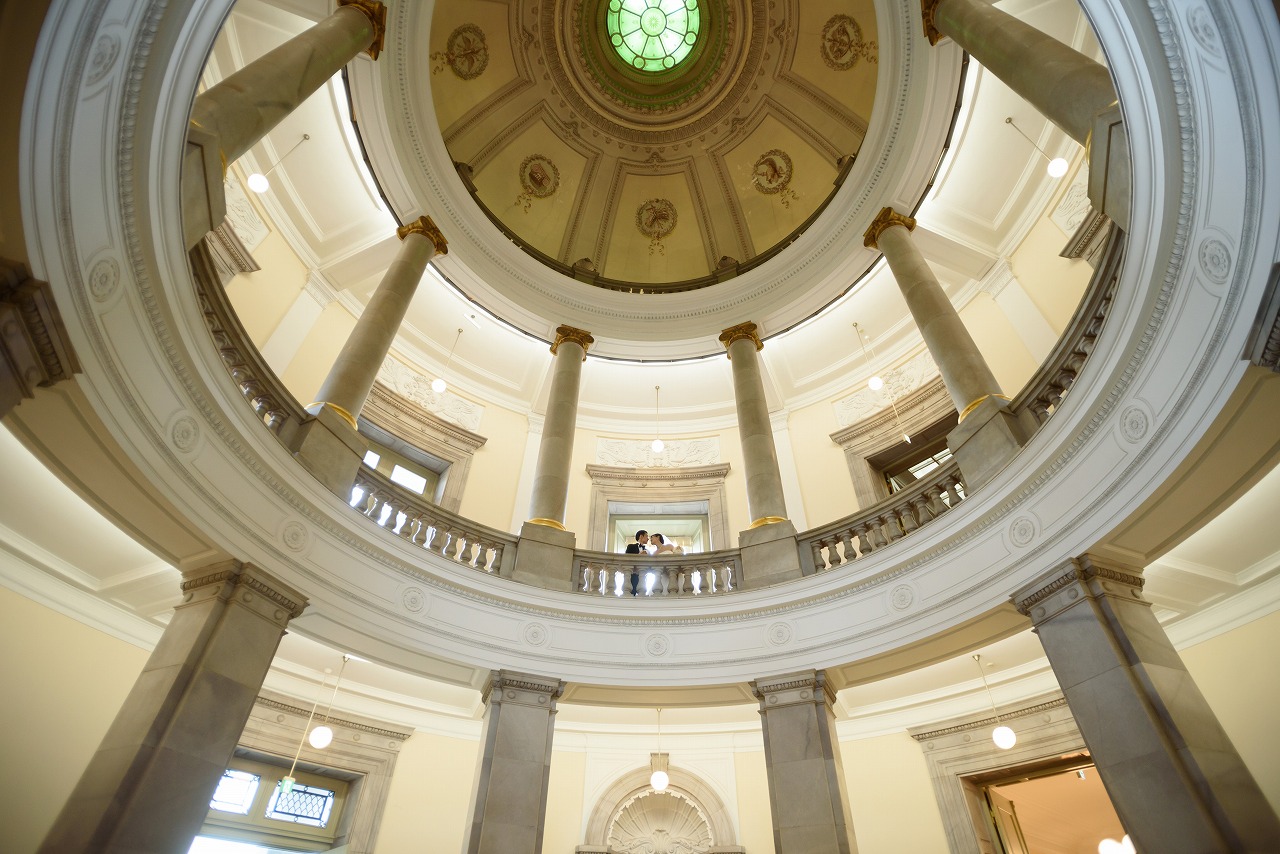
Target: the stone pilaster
(34, 348)
(232, 116)
(509, 803)
(1175, 779)
(147, 789)
(330, 445)
(769, 545)
(802, 753)
(988, 435)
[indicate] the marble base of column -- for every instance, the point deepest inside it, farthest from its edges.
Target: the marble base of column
(802, 754)
(1110, 173)
(769, 554)
(204, 203)
(147, 789)
(509, 802)
(985, 441)
(544, 557)
(1175, 779)
(331, 449)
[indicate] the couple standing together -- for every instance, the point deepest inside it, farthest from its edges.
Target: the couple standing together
(662, 547)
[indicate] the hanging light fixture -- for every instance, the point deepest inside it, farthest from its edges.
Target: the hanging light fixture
(438, 385)
(258, 180)
(322, 736)
(1057, 165)
(287, 781)
(876, 383)
(1003, 736)
(658, 778)
(657, 444)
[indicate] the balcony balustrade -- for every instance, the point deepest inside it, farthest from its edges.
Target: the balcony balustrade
(707, 574)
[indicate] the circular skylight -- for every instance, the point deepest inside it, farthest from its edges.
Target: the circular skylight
(653, 35)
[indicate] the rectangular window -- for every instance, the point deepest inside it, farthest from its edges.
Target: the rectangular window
(235, 792)
(308, 805)
(371, 459)
(408, 479)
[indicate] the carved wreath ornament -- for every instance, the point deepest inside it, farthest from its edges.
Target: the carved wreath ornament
(539, 179)
(656, 219)
(843, 45)
(465, 52)
(772, 175)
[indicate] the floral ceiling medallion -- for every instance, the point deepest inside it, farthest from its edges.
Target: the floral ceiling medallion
(656, 219)
(772, 176)
(842, 44)
(539, 179)
(465, 52)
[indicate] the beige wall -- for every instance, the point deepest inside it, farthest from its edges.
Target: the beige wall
(1053, 283)
(755, 820)
(490, 496)
(63, 683)
(1008, 357)
(318, 352)
(826, 488)
(890, 796)
(1245, 706)
(429, 804)
(262, 299)
(564, 802)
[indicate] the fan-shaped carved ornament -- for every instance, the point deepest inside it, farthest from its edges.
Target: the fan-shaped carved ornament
(660, 823)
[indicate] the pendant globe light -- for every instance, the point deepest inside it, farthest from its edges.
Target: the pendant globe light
(438, 385)
(1003, 736)
(287, 781)
(876, 383)
(657, 444)
(258, 182)
(659, 779)
(1057, 165)
(322, 736)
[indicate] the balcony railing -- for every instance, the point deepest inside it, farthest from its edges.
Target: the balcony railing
(421, 523)
(888, 521)
(707, 574)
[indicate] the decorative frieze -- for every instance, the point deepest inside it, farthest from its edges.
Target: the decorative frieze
(412, 385)
(898, 383)
(676, 453)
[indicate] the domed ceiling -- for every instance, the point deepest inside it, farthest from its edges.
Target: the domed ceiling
(653, 144)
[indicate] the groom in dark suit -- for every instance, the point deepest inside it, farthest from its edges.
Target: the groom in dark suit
(638, 548)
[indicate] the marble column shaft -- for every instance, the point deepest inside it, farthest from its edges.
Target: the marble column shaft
(963, 368)
(555, 451)
(509, 801)
(1066, 86)
(802, 754)
(351, 378)
(765, 499)
(1177, 782)
(243, 107)
(147, 789)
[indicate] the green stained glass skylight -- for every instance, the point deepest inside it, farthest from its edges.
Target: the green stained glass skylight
(653, 35)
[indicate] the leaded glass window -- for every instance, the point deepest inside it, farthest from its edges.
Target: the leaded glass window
(653, 35)
(301, 805)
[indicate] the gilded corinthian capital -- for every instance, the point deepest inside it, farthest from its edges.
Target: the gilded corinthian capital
(424, 226)
(377, 15)
(886, 218)
(928, 9)
(743, 330)
(581, 337)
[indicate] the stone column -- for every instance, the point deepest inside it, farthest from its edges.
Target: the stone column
(988, 435)
(769, 544)
(330, 446)
(509, 801)
(1175, 779)
(147, 789)
(228, 119)
(545, 555)
(1068, 88)
(802, 753)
